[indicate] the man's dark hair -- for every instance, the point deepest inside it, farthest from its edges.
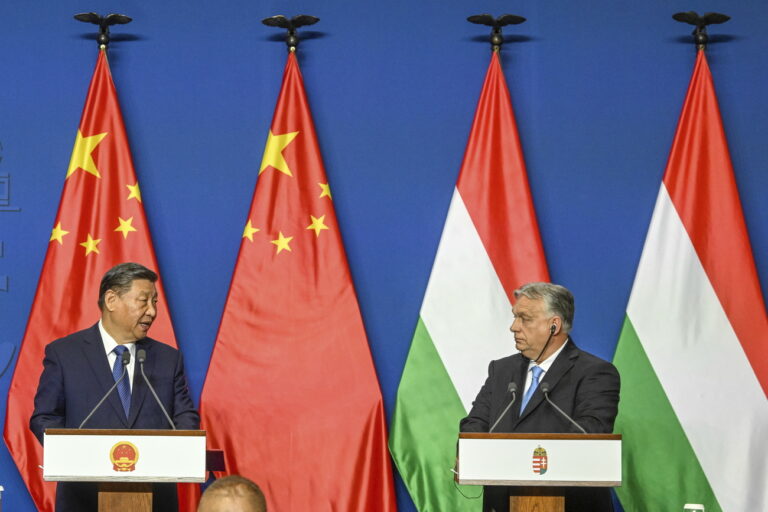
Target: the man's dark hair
(120, 277)
(234, 486)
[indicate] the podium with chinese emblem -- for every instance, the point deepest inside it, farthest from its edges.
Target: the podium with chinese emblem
(540, 465)
(125, 462)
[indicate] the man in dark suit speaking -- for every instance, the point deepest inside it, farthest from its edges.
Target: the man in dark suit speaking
(585, 387)
(80, 368)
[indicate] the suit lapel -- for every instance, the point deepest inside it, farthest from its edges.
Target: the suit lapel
(519, 376)
(562, 365)
(140, 390)
(93, 349)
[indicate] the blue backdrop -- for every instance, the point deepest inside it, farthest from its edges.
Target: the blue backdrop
(597, 87)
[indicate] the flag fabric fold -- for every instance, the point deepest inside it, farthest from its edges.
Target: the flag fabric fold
(692, 352)
(100, 223)
(489, 247)
(291, 394)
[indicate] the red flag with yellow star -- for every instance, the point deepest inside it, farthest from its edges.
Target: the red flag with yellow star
(291, 394)
(100, 223)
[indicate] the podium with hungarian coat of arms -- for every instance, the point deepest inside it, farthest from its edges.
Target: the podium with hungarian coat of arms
(125, 462)
(540, 464)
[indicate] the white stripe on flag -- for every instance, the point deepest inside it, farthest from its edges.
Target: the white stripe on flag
(465, 308)
(700, 362)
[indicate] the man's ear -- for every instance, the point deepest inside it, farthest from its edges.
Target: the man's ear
(110, 298)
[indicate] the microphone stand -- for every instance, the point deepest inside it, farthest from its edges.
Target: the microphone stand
(126, 358)
(141, 356)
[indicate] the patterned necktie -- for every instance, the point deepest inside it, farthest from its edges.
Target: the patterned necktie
(124, 388)
(536, 372)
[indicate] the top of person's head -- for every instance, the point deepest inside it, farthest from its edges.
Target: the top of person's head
(232, 494)
(120, 278)
(558, 299)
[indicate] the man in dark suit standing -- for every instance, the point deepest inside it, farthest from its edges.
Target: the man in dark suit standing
(79, 369)
(582, 385)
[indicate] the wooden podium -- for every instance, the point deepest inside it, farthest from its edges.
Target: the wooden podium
(540, 464)
(125, 462)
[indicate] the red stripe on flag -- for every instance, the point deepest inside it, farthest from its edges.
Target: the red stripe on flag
(700, 180)
(494, 186)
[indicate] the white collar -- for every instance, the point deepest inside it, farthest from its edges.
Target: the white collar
(546, 364)
(110, 343)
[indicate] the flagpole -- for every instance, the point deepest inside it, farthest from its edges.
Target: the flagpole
(496, 38)
(700, 37)
(291, 37)
(104, 22)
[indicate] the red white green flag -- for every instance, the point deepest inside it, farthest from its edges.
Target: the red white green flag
(693, 355)
(490, 246)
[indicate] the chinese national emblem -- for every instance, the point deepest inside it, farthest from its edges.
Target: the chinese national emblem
(539, 461)
(124, 456)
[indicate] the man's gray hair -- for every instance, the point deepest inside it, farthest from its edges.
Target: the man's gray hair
(559, 300)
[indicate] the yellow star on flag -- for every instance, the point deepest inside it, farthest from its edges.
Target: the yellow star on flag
(125, 226)
(58, 234)
(282, 242)
(273, 153)
(135, 193)
(249, 231)
(91, 245)
(317, 225)
(81, 154)
(326, 191)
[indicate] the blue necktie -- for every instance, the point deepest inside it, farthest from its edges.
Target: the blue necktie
(124, 388)
(536, 372)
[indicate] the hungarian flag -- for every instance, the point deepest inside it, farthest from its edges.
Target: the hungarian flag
(291, 394)
(693, 353)
(489, 247)
(100, 223)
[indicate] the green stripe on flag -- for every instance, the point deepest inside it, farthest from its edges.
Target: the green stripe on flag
(660, 469)
(425, 426)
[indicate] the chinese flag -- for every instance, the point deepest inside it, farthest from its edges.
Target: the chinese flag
(100, 223)
(291, 394)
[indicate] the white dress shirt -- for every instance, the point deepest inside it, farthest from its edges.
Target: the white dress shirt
(109, 347)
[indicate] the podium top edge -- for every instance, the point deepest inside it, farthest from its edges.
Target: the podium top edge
(122, 432)
(569, 437)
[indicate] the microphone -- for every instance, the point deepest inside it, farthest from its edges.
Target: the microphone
(512, 388)
(141, 356)
(545, 389)
(125, 359)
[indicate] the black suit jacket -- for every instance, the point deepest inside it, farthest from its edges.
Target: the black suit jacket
(584, 386)
(77, 374)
